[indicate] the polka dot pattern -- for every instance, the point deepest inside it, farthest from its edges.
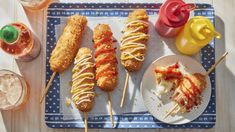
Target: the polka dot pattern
(53, 115)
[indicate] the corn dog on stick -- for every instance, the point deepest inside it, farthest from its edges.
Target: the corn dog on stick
(106, 62)
(83, 81)
(67, 46)
(198, 80)
(134, 44)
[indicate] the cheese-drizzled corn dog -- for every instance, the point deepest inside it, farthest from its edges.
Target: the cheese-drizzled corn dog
(134, 40)
(106, 62)
(67, 45)
(83, 80)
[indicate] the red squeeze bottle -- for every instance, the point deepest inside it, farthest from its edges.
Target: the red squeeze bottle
(172, 16)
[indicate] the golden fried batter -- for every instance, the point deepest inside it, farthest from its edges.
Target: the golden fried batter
(134, 40)
(106, 62)
(67, 45)
(83, 80)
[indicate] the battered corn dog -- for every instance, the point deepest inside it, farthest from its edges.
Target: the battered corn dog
(67, 45)
(188, 94)
(83, 80)
(106, 62)
(187, 87)
(66, 48)
(134, 44)
(134, 40)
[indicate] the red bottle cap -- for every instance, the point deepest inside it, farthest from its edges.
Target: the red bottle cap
(175, 13)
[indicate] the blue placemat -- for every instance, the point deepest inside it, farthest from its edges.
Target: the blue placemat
(53, 115)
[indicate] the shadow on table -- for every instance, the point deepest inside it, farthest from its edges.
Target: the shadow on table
(225, 78)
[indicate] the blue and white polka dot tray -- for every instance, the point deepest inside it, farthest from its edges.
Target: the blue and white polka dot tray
(55, 118)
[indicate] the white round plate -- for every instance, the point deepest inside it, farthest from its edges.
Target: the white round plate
(152, 102)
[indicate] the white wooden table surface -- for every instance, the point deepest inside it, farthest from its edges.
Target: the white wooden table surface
(31, 117)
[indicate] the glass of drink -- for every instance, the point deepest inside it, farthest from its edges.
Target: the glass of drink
(18, 40)
(35, 5)
(14, 90)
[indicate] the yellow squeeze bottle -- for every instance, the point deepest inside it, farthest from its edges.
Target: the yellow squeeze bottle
(197, 33)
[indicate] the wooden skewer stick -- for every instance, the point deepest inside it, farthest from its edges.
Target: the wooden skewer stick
(124, 89)
(85, 121)
(47, 87)
(172, 110)
(216, 63)
(110, 109)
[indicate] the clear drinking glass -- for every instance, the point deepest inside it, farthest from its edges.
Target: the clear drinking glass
(14, 90)
(35, 4)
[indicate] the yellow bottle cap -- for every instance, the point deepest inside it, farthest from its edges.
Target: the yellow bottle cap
(208, 31)
(203, 30)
